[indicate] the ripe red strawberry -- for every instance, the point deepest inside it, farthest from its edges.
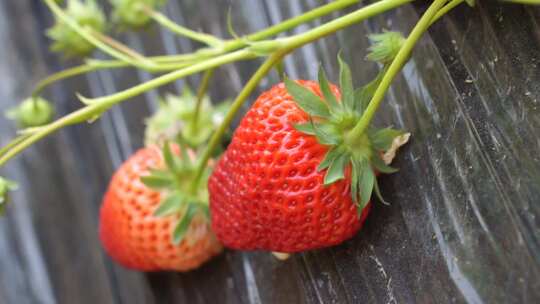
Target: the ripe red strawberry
(291, 180)
(139, 225)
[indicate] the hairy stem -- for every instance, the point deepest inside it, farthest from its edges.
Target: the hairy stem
(180, 30)
(401, 58)
(201, 93)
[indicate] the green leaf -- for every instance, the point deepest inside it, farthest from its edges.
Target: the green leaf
(329, 158)
(183, 225)
(366, 183)
(307, 100)
(170, 205)
(379, 164)
(345, 82)
(325, 136)
(327, 92)
(382, 139)
(158, 179)
(336, 171)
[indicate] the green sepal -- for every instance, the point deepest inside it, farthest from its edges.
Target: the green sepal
(307, 100)
(306, 128)
(5, 187)
(363, 95)
(336, 170)
(471, 3)
(379, 164)
(329, 158)
(158, 179)
(183, 224)
(385, 46)
(366, 181)
(170, 205)
(325, 134)
(327, 92)
(378, 193)
(382, 139)
(345, 82)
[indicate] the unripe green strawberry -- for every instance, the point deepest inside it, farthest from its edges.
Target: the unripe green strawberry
(32, 112)
(86, 14)
(131, 14)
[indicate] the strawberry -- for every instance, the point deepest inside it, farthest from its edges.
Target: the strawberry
(292, 178)
(148, 222)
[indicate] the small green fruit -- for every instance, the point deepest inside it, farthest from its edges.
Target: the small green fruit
(131, 14)
(87, 14)
(5, 186)
(385, 46)
(32, 112)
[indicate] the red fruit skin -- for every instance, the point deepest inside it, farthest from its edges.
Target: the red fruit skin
(135, 238)
(266, 193)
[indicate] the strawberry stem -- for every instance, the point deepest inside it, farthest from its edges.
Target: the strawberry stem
(181, 30)
(399, 61)
(201, 92)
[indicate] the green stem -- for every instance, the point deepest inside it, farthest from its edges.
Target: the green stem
(445, 9)
(98, 105)
(88, 36)
(371, 10)
(401, 58)
(81, 69)
(182, 31)
(236, 105)
(201, 93)
(170, 77)
(174, 62)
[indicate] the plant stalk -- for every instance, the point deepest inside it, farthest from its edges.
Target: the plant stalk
(399, 61)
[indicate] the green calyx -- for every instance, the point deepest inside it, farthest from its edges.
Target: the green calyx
(331, 121)
(385, 46)
(174, 120)
(87, 14)
(5, 187)
(133, 14)
(175, 181)
(32, 112)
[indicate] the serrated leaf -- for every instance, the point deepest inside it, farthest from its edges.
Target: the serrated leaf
(158, 179)
(183, 225)
(327, 92)
(345, 82)
(366, 183)
(307, 100)
(329, 158)
(379, 164)
(324, 137)
(336, 171)
(382, 139)
(170, 205)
